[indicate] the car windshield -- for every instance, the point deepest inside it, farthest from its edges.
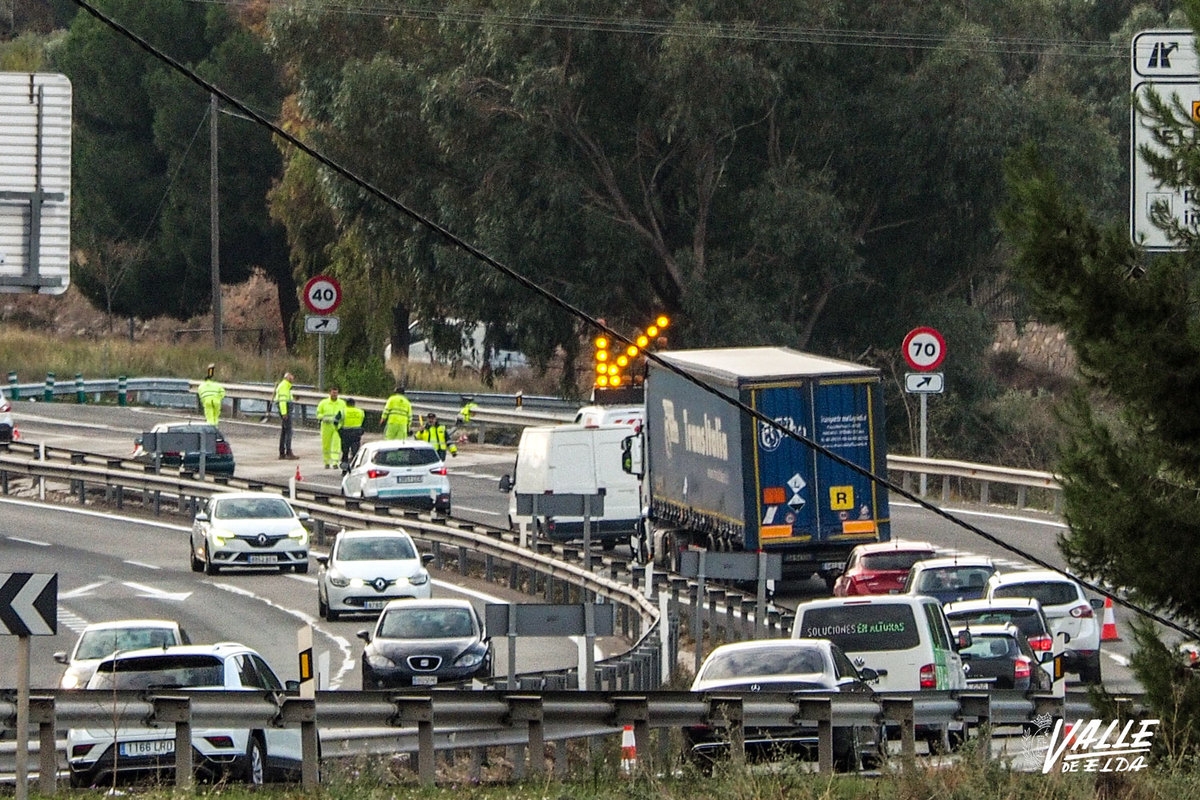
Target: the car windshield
(1048, 593)
(375, 549)
(426, 623)
(1027, 619)
(406, 457)
(951, 578)
(252, 508)
(984, 647)
(763, 662)
(100, 643)
(893, 561)
(859, 628)
(160, 671)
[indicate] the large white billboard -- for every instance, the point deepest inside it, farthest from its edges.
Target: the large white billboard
(35, 182)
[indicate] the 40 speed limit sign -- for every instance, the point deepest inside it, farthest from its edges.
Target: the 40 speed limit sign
(322, 294)
(924, 349)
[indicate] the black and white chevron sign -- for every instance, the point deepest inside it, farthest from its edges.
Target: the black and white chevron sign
(28, 604)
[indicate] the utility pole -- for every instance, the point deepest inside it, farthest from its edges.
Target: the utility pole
(214, 221)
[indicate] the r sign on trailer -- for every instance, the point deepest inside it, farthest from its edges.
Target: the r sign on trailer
(924, 349)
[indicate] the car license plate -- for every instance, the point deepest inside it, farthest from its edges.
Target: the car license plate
(424, 680)
(158, 747)
(374, 605)
(408, 479)
(262, 560)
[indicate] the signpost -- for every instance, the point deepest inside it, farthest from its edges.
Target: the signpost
(1166, 63)
(28, 607)
(322, 296)
(924, 350)
(35, 182)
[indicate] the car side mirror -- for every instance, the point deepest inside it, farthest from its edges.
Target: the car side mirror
(61, 657)
(868, 675)
(506, 483)
(1046, 657)
(291, 686)
(322, 560)
(1097, 604)
(427, 559)
(304, 516)
(201, 516)
(364, 635)
(964, 640)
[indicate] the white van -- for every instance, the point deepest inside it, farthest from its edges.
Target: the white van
(576, 459)
(905, 638)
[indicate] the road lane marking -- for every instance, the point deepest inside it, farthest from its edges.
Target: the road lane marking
(33, 542)
(479, 511)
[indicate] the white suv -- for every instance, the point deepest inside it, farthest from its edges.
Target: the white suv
(95, 754)
(1067, 609)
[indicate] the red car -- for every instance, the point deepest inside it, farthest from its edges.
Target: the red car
(880, 567)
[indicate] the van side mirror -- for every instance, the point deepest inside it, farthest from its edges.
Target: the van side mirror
(506, 483)
(631, 455)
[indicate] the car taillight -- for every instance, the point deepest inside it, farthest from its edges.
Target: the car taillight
(852, 587)
(1082, 612)
(223, 449)
(376, 473)
(225, 742)
(928, 677)
(438, 471)
(1041, 644)
(1021, 668)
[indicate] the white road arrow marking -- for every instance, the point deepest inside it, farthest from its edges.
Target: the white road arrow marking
(157, 594)
(82, 590)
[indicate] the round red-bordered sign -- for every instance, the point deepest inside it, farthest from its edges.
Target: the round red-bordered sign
(322, 294)
(924, 349)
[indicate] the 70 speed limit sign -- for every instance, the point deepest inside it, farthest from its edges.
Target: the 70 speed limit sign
(924, 349)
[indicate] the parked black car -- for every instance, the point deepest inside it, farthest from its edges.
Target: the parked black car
(218, 461)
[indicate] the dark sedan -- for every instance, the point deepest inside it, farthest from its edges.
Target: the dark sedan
(1000, 658)
(426, 643)
(217, 461)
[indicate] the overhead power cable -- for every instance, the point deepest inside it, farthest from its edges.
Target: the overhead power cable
(461, 244)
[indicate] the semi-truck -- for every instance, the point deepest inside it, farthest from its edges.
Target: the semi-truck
(717, 478)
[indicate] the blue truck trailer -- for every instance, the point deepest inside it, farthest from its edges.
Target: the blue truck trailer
(719, 479)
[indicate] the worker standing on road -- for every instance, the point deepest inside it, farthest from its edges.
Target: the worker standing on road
(283, 399)
(331, 412)
(351, 433)
(397, 415)
(211, 395)
(434, 432)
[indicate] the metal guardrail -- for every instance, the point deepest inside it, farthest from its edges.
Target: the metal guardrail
(424, 723)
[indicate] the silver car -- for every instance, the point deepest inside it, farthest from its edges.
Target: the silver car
(406, 471)
(249, 529)
(366, 569)
(101, 639)
(7, 428)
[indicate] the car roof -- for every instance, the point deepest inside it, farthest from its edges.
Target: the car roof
(131, 623)
(999, 602)
(166, 426)
(895, 545)
(1032, 576)
(398, 444)
(954, 561)
(221, 649)
(990, 629)
(869, 600)
(773, 644)
(373, 533)
(234, 495)
(433, 602)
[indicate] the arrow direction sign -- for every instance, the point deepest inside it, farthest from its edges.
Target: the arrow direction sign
(316, 324)
(28, 604)
(924, 382)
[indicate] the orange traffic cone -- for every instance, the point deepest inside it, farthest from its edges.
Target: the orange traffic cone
(628, 751)
(298, 476)
(1108, 631)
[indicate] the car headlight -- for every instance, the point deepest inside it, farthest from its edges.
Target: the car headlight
(378, 661)
(471, 658)
(71, 681)
(357, 583)
(300, 534)
(419, 578)
(219, 537)
(336, 579)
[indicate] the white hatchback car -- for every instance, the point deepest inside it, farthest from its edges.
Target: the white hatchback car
(366, 569)
(94, 755)
(249, 529)
(101, 639)
(1067, 609)
(405, 471)
(7, 428)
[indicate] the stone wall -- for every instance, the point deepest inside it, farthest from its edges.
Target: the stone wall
(1039, 347)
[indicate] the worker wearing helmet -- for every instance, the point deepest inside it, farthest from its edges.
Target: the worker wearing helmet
(211, 395)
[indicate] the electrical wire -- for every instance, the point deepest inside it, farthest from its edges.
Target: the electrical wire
(459, 243)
